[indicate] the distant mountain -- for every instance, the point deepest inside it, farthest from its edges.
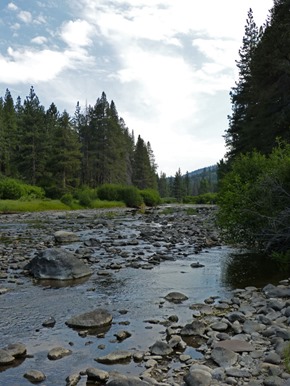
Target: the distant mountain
(212, 169)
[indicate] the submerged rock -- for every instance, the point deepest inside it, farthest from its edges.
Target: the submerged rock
(94, 319)
(57, 264)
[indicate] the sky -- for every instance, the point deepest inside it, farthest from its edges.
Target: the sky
(168, 65)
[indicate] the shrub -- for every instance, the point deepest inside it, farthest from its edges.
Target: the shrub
(85, 196)
(254, 200)
(67, 199)
(109, 192)
(131, 196)
(206, 198)
(150, 197)
(33, 192)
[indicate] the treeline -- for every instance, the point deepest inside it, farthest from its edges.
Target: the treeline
(59, 152)
(182, 186)
(255, 175)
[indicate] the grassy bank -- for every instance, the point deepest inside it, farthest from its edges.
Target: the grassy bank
(14, 206)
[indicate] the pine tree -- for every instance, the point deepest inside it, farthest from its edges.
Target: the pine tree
(242, 95)
(65, 160)
(142, 171)
(32, 153)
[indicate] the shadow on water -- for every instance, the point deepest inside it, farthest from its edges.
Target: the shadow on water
(242, 269)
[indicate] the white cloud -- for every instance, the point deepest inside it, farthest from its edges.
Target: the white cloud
(12, 7)
(27, 65)
(39, 40)
(77, 33)
(25, 16)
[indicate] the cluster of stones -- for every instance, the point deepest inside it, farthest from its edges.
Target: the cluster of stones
(160, 237)
(244, 340)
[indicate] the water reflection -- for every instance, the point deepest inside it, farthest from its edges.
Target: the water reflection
(242, 268)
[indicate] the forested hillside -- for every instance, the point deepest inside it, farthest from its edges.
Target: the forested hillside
(255, 186)
(59, 153)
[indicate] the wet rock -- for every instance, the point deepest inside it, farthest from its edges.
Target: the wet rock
(161, 348)
(196, 265)
(176, 297)
(17, 350)
(94, 319)
(50, 322)
(5, 358)
(98, 375)
(122, 335)
(115, 357)
(57, 264)
(58, 353)
(73, 380)
(34, 376)
(65, 237)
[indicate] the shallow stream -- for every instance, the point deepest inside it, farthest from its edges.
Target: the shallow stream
(138, 291)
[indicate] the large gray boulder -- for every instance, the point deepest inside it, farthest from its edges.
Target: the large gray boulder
(58, 264)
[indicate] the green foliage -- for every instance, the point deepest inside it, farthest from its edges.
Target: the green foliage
(286, 357)
(150, 197)
(254, 200)
(13, 189)
(206, 198)
(85, 196)
(131, 196)
(110, 192)
(67, 199)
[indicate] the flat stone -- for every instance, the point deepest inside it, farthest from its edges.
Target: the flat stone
(34, 376)
(176, 297)
(94, 319)
(235, 345)
(224, 357)
(17, 350)
(115, 357)
(58, 353)
(6, 358)
(65, 237)
(97, 374)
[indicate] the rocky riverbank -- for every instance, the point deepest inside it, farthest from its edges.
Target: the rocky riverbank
(240, 339)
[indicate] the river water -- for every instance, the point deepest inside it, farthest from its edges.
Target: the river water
(140, 292)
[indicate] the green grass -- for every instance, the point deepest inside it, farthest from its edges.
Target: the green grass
(286, 355)
(102, 204)
(14, 206)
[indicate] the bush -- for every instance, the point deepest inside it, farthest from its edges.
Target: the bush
(110, 192)
(67, 199)
(131, 196)
(150, 197)
(33, 192)
(254, 200)
(85, 196)
(206, 199)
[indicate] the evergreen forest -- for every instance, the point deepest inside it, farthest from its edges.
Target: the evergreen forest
(59, 152)
(254, 177)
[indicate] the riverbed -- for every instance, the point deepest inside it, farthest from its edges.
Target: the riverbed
(123, 282)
